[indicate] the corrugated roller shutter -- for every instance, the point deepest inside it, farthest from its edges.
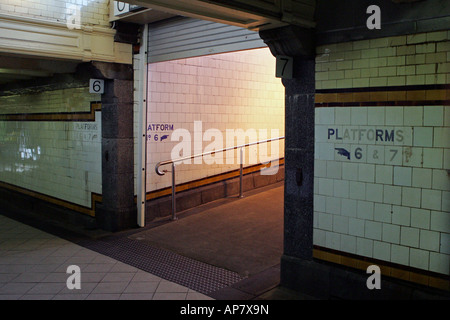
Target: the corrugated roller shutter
(186, 37)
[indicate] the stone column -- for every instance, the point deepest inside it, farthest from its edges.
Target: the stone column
(299, 160)
(298, 270)
(117, 210)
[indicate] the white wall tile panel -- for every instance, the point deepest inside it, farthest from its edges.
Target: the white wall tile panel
(392, 189)
(332, 205)
(348, 243)
(364, 247)
(420, 218)
(346, 65)
(92, 12)
(411, 197)
(419, 258)
(356, 227)
(394, 186)
(445, 243)
(61, 159)
(381, 250)
(400, 254)
(382, 212)
(236, 90)
(349, 207)
(439, 262)
(373, 230)
(409, 236)
(430, 240)
(364, 210)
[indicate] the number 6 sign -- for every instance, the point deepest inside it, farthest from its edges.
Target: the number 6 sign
(96, 86)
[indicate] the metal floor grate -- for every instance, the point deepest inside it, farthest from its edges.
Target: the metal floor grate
(196, 275)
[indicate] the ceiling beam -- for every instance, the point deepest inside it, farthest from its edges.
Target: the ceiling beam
(255, 15)
(24, 72)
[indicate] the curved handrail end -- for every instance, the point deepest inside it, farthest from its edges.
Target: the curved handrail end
(159, 172)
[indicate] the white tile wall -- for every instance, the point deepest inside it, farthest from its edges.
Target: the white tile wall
(57, 101)
(382, 212)
(429, 240)
(411, 197)
(394, 61)
(395, 194)
(381, 250)
(232, 91)
(439, 262)
(92, 12)
(445, 243)
(419, 258)
(394, 205)
(364, 247)
(400, 254)
(58, 159)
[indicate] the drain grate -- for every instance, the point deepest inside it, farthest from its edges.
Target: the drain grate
(196, 275)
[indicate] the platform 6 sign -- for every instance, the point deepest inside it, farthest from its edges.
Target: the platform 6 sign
(159, 132)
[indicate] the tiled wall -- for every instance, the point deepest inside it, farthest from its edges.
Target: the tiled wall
(59, 159)
(57, 101)
(382, 184)
(419, 59)
(92, 12)
(235, 90)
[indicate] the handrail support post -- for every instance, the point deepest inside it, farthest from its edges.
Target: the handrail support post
(241, 173)
(174, 205)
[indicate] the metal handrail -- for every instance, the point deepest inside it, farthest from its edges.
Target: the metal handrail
(173, 162)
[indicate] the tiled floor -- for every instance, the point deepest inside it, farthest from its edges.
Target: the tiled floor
(33, 265)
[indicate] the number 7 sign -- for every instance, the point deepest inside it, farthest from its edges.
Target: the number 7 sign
(285, 67)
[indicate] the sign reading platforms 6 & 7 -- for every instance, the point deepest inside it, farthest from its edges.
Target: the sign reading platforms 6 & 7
(368, 144)
(365, 139)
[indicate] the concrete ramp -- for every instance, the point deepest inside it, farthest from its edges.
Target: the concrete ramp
(241, 235)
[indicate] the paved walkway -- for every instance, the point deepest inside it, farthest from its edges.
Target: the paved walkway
(33, 265)
(242, 235)
(227, 250)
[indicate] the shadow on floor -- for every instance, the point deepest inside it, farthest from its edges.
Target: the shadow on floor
(241, 235)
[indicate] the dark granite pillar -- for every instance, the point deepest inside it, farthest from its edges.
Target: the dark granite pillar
(117, 210)
(298, 269)
(299, 160)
